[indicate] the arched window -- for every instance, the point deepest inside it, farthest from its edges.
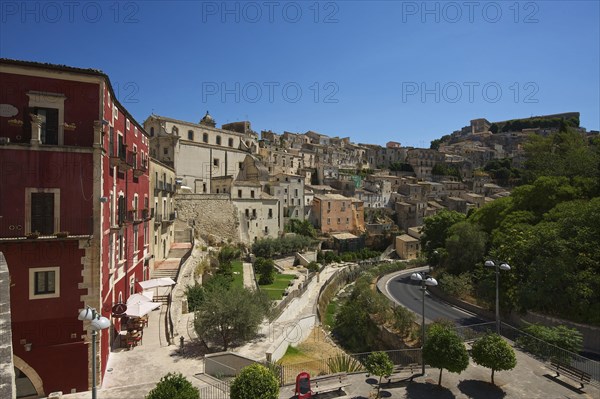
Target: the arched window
(205, 137)
(191, 135)
(152, 131)
(231, 142)
(218, 140)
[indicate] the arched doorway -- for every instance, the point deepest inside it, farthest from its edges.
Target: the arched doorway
(27, 380)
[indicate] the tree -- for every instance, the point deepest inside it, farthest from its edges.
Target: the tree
(230, 315)
(266, 269)
(226, 256)
(302, 227)
(493, 352)
(379, 364)
(174, 386)
(444, 349)
(465, 245)
(436, 228)
(255, 381)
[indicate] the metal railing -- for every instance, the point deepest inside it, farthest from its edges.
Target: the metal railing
(546, 352)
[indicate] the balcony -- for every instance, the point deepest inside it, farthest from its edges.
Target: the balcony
(169, 219)
(45, 228)
(158, 218)
(140, 168)
(169, 187)
(124, 159)
(134, 216)
(146, 214)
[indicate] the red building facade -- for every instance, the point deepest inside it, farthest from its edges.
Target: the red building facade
(74, 216)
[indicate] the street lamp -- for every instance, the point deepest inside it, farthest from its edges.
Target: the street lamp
(502, 266)
(425, 281)
(98, 322)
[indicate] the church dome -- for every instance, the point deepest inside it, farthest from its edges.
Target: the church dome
(208, 120)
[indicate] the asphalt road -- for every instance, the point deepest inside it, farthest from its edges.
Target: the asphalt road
(408, 293)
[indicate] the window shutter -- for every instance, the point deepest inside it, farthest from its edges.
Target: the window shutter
(42, 213)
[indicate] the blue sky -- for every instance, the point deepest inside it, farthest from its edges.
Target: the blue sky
(375, 71)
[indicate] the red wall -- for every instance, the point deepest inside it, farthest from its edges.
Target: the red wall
(48, 323)
(82, 105)
(71, 172)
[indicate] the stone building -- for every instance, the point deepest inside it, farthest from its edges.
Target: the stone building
(162, 186)
(336, 213)
(199, 151)
(289, 191)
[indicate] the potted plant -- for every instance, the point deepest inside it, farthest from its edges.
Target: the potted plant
(33, 235)
(61, 234)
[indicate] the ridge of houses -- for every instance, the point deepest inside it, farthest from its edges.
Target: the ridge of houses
(89, 198)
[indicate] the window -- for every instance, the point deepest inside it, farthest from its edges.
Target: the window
(240, 165)
(266, 229)
(339, 221)
(205, 137)
(49, 117)
(215, 161)
(50, 108)
(328, 220)
(239, 193)
(230, 142)
(152, 132)
(296, 192)
(166, 151)
(254, 213)
(271, 213)
(251, 193)
(132, 285)
(135, 238)
(296, 213)
(42, 213)
(175, 131)
(44, 282)
(347, 220)
(247, 213)
(190, 135)
(218, 140)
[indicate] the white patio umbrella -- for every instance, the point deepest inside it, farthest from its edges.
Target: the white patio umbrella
(139, 309)
(144, 296)
(157, 282)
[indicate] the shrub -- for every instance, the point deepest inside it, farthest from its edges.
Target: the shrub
(255, 381)
(174, 386)
(195, 296)
(457, 286)
(379, 364)
(403, 320)
(313, 267)
(539, 336)
(343, 363)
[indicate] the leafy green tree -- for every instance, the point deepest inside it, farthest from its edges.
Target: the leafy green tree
(230, 315)
(265, 268)
(379, 364)
(562, 336)
(465, 246)
(302, 227)
(435, 230)
(255, 381)
(195, 296)
(174, 386)
(444, 349)
(403, 320)
(493, 352)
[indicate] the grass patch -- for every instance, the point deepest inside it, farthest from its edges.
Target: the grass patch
(275, 290)
(330, 315)
(292, 350)
(238, 274)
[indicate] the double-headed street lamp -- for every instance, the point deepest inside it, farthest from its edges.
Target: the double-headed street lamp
(502, 266)
(425, 281)
(98, 322)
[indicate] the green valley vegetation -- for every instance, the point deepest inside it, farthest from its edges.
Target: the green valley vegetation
(270, 247)
(547, 230)
(302, 227)
(358, 316)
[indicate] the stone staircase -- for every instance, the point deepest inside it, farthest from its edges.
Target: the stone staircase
(169, 267)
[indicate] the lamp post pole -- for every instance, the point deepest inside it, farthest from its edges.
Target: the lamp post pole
(98, 322)
(502, 266)
(424, 281)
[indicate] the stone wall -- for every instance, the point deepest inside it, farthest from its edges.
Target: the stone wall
(212, 215)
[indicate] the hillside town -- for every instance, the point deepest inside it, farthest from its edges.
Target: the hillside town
(95, 203)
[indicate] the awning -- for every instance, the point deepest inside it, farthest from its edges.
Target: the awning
(140, 309)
